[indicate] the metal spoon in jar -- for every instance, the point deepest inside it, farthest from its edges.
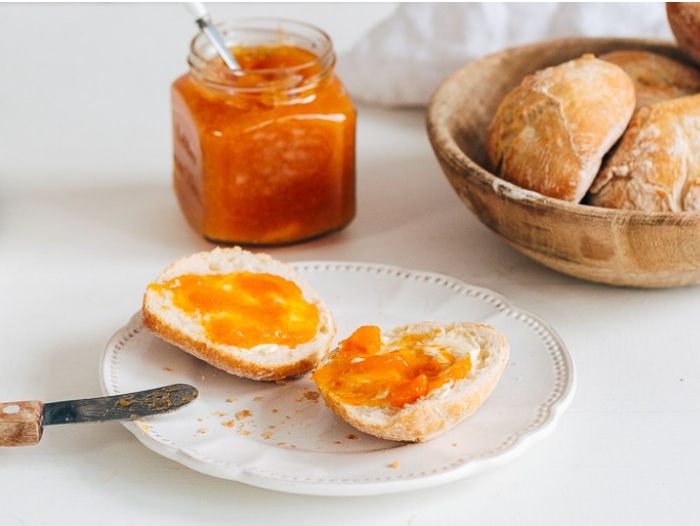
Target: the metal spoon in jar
(203, 21)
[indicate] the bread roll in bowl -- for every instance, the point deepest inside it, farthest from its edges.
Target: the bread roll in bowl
(551, 132)
(656, 77)
(618, 247)
(656, 166)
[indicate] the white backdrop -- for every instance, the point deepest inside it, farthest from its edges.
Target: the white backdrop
(401, 59)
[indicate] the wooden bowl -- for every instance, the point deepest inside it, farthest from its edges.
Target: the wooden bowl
(618, 247)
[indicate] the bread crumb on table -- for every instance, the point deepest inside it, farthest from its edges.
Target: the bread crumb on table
(352, 437)
(311, 395)
(230, 400)
(167, 369)
(228, 423)
(258, 399)
(202, 430)
(267, 435)
(219, 413)
(244, 432)
(394, 465)
(243, 414)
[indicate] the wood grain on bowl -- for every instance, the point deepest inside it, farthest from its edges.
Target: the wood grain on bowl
(618, 247)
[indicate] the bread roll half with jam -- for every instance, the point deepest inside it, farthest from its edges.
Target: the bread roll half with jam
(551, 132)
(414, 382)
(247, 314)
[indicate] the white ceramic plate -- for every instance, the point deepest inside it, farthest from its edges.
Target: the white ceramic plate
(282, 437)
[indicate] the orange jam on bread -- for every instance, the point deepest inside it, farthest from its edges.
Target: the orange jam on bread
(365, 371)
(245, 309)
(265, 156)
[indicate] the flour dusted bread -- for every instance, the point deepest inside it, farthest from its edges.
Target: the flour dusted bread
(267, 287)
(438, 410)
(656, 166)
(551, 132)
(656, 77)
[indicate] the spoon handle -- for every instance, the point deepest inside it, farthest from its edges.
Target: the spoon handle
(203, 20)
(197, 10)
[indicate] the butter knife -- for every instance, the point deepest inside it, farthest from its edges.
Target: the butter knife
(22, 423)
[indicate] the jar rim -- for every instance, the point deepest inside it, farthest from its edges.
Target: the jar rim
(281, 27)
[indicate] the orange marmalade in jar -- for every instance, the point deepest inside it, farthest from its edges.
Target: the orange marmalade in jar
(264, 155)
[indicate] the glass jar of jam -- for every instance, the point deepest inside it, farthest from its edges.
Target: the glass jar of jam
(264, 155)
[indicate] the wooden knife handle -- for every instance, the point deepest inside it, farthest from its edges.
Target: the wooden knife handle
(20, 423)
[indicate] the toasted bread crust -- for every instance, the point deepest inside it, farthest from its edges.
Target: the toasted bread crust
(429, 418)
(656, 77)
(655, 167)
(232, 359)
(551, 132)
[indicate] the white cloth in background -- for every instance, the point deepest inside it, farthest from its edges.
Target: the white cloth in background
(401, 60)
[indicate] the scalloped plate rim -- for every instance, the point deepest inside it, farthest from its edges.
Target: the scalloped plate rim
(471, 467)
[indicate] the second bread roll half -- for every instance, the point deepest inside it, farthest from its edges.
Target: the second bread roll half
(656, 77)
(656, 166)
(550, 133)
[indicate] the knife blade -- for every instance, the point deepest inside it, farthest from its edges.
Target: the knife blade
(22, 423)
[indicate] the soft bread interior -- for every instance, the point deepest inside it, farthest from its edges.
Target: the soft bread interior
(184, 327)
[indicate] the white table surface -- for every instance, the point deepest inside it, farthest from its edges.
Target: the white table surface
(87, 218)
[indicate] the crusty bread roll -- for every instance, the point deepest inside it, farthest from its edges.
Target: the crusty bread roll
(656, 77)
(551, 132)
(187, 329)
(440, 409)
(656, 166)
(684, 19)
